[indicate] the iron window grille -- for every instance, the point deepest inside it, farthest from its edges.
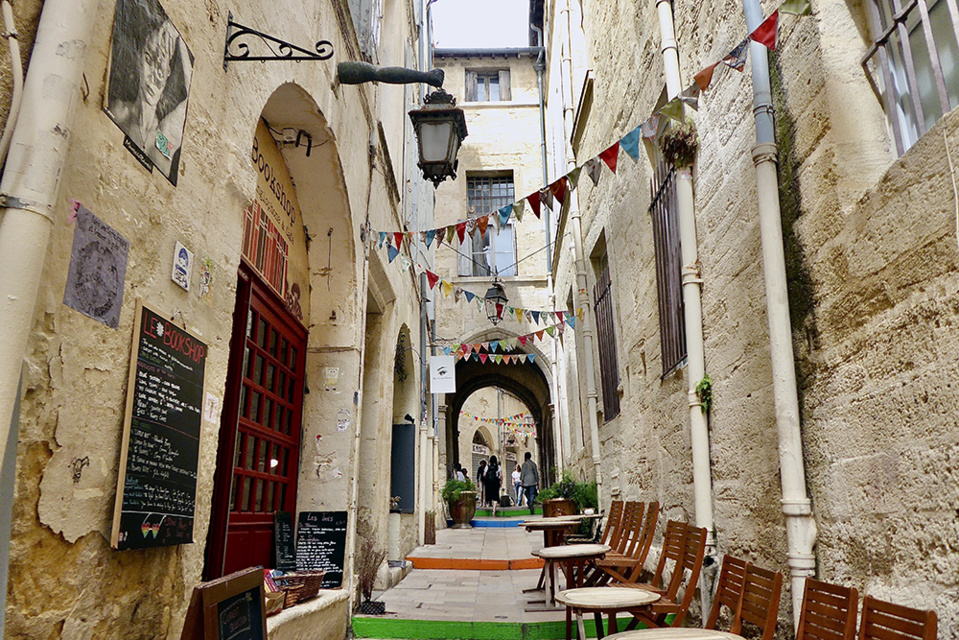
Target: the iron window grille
(915, 58)
(606, 340)
(664, 212)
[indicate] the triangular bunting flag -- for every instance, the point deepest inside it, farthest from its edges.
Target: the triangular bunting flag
(651, 127)
(461, 231)
(736, 58)
(447, 288)
(498, 358)
(561, 327)
(673, 110)
(504, 215)
(765, 33)
(519, 313)
(593, 168)
(429, 235)
(492, 346)
(483, 357)
(630, 143)
(476, 347)
(690, 96)
(476, 358)
(533, 201)
(391, 252)
(469, 295)
(609, 157)
(551, 331)
(539, 334)
(559, 189)
(431, 278)
(573, 177)
(546, 197)
(559, 316)
(398, 235)
(704, 77)
(467, 348)
(571, 321)
(382, 238)
(447, 351)
(530, 356)
(523, 339)
(503, 345)
(481, 224)
(535, 316)
(518, 210)
(796, 7)
(450, 234)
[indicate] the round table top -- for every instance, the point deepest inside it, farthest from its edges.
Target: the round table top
(672, 633)
(604, 598)
(569, 551)
(552, 524)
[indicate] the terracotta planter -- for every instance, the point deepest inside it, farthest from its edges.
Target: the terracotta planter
(462, 510)
(558, 507)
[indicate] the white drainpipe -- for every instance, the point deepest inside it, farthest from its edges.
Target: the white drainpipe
(28, 193)
(692, 298)
(796, 506)
(582, 290)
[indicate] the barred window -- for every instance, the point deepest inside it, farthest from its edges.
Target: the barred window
(494, 252)
(913, 63)
(606, 339)
(664, 211)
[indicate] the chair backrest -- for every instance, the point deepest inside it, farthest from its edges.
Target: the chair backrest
(694, 548)
(887, 621)
(613, 519)
(645, 542)
(674, 545)
(627, 526)
(633, 526)
(828, 612)
(760, 601)
(729, 590)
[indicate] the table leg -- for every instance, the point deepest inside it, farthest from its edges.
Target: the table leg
(569, 623)
(613, 627)
(552, 582)
(579, 625)
(598, 616)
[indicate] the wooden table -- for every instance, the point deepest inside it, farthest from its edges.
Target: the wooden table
(597, 600)
(554, 531)
(674, 633)
(572, 558)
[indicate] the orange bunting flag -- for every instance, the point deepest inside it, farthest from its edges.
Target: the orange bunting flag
(432, 278)
(559, 190)
(610, 155)
(539, 334)
(765, 33)
(704, 77)
(481, 224)
(533, 201)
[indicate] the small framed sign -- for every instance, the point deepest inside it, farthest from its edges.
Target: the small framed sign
(230, 608)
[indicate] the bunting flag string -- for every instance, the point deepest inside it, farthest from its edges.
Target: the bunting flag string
(556, 192)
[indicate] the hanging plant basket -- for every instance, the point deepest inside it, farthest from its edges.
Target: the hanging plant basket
(680, 143)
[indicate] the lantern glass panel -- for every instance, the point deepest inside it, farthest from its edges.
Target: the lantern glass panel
(435, 140)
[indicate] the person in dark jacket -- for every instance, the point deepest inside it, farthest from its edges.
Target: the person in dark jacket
(529, 476)
(481, 480)
(492, 481)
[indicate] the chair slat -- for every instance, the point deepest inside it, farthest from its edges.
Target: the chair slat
(760, 600)
(883, 620)
(729, 589)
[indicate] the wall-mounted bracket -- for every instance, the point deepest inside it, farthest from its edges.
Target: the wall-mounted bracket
(278, 49)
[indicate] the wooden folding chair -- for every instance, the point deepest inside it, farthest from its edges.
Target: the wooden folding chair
(828, 612)
(760, 601)
(729, 590)
(628, 567)
(692, 550)
(613, 520)
(887, 621)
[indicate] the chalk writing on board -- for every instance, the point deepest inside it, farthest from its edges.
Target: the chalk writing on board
(321, 544)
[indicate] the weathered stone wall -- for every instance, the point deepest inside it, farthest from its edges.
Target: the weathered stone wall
(75, 382)
(871, 260)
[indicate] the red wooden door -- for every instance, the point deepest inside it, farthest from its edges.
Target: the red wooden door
(260, 432)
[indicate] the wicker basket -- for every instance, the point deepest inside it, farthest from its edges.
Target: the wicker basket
(312, 581)
(292, 595)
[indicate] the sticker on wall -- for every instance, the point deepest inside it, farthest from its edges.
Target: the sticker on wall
(98, 267)
(343, 420)
(207, 270)
(331, 377)
(149, 84)
(319, 443)
(211, 408)
(182, 266)
(336, 473)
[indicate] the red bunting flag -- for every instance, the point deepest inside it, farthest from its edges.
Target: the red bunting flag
(523, 339)
(432, 278)
(610, 155)
(481, 224)
(704, 77)
(534, 203)
(483, 357)
(765, 33)
(399, 239)
(461, 231)
(558, 189)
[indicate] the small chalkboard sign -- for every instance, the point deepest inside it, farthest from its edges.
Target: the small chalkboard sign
(156, 487)
(283, 543)
(321, 544)
(230, 608)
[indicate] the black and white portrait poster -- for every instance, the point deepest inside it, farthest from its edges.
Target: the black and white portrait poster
(149, 83)
(98, 267)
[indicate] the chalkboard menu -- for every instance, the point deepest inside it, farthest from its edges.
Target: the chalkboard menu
(156, 488)
(229, 608)
(321, 544)
(283, 541)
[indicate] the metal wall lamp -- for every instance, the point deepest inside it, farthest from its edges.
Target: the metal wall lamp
(282, 51)
(495, 302)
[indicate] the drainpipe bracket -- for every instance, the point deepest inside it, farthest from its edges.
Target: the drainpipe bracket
(765, 152)
(8, 201)
(802, 564)
(801, 507)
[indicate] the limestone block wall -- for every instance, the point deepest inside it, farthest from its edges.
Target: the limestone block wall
(76, 369)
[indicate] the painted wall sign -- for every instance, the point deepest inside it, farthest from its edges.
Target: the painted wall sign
(274, 240)
(442, 374)
(156, 487)
(149, 83)
(321, 544)
(98, 267)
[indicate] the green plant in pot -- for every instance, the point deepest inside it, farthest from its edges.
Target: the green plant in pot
(460, 495)
(557, 499)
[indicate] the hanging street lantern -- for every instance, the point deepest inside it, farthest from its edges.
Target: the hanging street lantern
(440, 128)
(495, 302)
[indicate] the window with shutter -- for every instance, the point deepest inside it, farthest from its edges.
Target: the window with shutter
(606, 339)
(488, 85)
(664, 212)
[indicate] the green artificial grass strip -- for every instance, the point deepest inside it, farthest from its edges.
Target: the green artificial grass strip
(394, 629)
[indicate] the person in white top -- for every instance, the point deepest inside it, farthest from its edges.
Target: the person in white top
(518, 486)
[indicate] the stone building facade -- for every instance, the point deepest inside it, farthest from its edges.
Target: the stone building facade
(868, 216)
(334, 159)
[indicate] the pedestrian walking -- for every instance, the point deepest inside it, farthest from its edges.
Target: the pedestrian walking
(518, 486)
(529, 476)
(481, 481)
(494, 478)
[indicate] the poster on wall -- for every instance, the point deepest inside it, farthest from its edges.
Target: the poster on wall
(149, 84)
(98, 267)
(159, 453)
(442, 374)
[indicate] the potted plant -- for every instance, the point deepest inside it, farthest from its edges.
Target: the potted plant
(368, 563)
(557, 499)
(460, 495)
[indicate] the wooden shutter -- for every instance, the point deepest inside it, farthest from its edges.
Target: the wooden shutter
(606, 340)
(664, 212)
(470, 86)
(504, 90)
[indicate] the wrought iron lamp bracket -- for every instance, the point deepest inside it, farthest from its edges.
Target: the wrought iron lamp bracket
(282, 51)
